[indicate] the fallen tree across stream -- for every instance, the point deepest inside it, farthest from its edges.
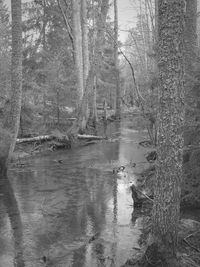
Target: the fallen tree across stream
(61, 138)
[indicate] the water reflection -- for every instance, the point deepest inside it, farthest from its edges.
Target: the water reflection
(78, 213)
(7, 198)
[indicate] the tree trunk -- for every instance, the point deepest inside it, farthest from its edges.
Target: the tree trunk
(191, 186)
(156, 21)
(166, 209)
(13, 119)
(83, 113)
(85, 48)
(190, 55)
(77, 33)
(93, 108)
(116, 60)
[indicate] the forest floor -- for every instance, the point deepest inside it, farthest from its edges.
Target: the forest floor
(188, 251)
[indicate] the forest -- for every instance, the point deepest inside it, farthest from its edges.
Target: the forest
(99, 133)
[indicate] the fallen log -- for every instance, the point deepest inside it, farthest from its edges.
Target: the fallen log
(62, 138)
(90, 137)
(35, 139)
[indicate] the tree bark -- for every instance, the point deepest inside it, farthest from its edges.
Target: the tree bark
(191, 186)
(116, 60)
(93, 108)
(85, 47)
(77, 33)
(190, 55)
(13, 119)
(83, 112)
(166, 209)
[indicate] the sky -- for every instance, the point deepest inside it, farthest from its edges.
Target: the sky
(126, 16)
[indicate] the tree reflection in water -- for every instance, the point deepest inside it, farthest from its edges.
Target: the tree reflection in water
(11, 206)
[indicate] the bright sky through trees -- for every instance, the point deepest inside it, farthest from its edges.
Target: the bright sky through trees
(127, 15)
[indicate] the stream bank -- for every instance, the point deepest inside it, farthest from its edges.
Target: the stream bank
(75, 207)
(74, 210)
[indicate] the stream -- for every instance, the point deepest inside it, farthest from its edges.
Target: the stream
(69, 209)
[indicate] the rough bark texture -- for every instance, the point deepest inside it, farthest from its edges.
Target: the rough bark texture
(77, 33)
(191, 56)
(170, 123)
(13, 118)
(191, 185)
(116, 60)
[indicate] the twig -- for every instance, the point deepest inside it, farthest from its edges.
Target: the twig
(190, 245)
(192, 234)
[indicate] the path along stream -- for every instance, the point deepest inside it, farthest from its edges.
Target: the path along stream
(74, 213)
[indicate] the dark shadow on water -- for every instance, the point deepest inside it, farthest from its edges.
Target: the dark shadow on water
(10, 203)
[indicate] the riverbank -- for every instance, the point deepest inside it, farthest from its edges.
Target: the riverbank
(187, 255)
(86, 199)
(58, 140)
(74, 210)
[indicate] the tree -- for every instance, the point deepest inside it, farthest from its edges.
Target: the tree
(116, 60)
(78, 48)
(49, 76)
(96, 57)
(13, 117)
(191, 187)
(85, 47)
(5, 44)
(166, 208)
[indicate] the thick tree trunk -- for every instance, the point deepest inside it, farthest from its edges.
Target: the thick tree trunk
(166, 209)
(190, 55)
(118, 95)
(77, 33)
(191, 186)
(13, 119)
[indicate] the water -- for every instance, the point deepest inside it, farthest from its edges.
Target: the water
(74, 213)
